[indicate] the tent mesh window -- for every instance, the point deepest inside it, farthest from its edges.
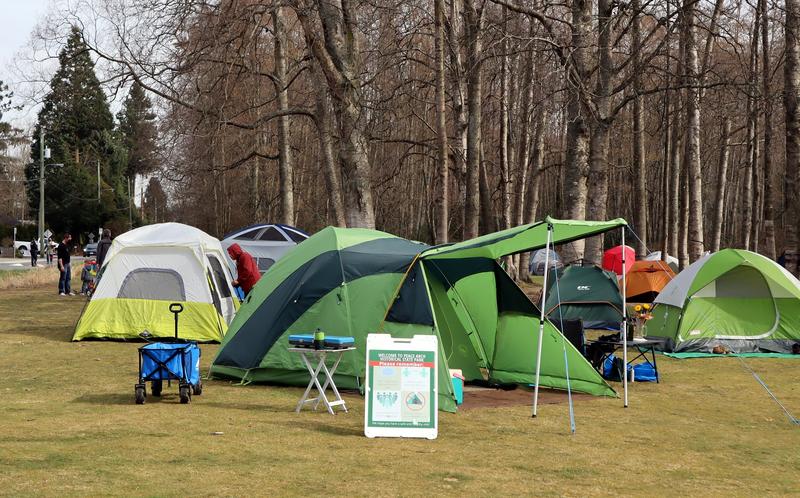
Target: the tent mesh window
(219, 277)
(272, 235)
(264, 264)
(248, 235)
(153, 283)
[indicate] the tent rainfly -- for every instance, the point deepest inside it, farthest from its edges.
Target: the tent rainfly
(612, 259)
(150, 267)
(732, 298)
(354, 281)
(646, 279)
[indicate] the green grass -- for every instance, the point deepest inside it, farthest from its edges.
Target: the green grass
(69, 427)
(4, 274)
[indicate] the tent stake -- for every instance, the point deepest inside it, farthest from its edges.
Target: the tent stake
(541, 318)
(624, 325)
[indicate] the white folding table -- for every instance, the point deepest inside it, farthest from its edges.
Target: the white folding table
(320, 355)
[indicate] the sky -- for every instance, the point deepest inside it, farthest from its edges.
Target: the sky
(19, 18)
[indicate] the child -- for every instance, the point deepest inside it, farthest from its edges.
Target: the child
(88, 275)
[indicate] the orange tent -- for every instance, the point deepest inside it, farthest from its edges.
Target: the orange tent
(645, 280)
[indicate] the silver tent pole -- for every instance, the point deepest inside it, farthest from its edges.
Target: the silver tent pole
(624, 325)
(541, 317)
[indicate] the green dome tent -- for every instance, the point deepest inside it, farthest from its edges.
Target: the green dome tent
(732, 298)
(353, 282)
(586, 293)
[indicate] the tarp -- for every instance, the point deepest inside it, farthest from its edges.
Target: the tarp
(684, 356)
(522, 238)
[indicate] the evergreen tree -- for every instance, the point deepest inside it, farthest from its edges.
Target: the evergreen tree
(155, 202)
(137, 131)
(78, 128)
(8, 134)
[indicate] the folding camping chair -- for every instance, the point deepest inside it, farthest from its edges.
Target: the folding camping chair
(573, 331)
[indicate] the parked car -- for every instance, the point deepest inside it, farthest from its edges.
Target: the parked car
(90, 250)
(23, 247)
(267, 243)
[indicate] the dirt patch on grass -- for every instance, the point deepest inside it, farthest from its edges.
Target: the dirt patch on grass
(482, 397)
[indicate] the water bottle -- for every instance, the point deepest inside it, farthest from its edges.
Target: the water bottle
(319, 339)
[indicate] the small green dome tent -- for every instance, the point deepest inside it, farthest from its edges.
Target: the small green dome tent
(732, 298)
(586, 293)
(353, 282)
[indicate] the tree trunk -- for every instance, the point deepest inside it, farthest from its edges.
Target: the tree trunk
(722, 182)
(535, 179)
(473, 18)
(505, 169)
(487, 220)
(752, 142)
(693, 166)
(683, 242)
(285, 176)
(339, 57)
(458, 92)
(598, 145)
(791, 103)
(769, 203)
(639, 172)
(442, 217)
(333, 179)
(576, 168)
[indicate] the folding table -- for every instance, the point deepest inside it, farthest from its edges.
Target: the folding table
(320, 355)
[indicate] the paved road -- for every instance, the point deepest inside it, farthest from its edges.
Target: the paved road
(25, 263)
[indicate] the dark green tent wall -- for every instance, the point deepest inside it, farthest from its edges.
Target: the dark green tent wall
(354, 282)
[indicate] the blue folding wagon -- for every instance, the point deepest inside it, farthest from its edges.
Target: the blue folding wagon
(162, 361)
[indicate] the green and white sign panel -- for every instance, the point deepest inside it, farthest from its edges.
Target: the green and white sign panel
(401, 399)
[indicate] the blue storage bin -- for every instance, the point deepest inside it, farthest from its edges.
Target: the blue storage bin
(458, 389)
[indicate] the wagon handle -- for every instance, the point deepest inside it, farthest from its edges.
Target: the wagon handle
(176, 308)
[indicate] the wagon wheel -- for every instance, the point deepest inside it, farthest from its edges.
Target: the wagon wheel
(140, 395)
(197, 389)
(185, 393)
(156, 387)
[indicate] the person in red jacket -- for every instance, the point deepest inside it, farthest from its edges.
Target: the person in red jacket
(246, 268)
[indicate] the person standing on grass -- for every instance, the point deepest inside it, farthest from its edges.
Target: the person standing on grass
(34, 252)
(102, 248)
(62, 253)
(246, 269)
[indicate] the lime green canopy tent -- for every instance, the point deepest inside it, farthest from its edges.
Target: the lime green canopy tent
(732, 298)
(353, 282)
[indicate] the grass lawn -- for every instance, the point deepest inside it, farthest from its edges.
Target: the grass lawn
(69, 427)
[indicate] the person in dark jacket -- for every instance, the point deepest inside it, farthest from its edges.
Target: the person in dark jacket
(34, 252)
(102, 247)
(246, 269)
(64, 268)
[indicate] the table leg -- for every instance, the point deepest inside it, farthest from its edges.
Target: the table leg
(655, 367)
(329, 380)
(311, 383)
(321, 389)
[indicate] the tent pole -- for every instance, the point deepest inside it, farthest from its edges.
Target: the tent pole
(624, 325)
(541, 317)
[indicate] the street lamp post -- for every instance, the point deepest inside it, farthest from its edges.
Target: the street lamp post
(43, 154)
